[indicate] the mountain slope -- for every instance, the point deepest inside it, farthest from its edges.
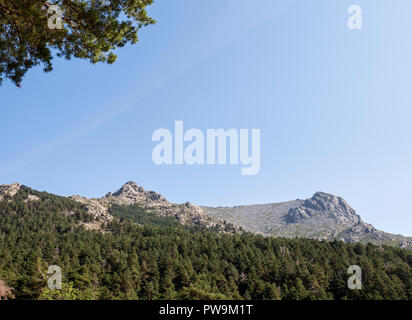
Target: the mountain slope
(324, 216)
(187, 214)
(130, 194)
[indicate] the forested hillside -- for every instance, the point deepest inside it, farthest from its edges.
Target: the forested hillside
(139, 255)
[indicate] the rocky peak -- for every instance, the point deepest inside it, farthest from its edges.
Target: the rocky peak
(131, 193)
(128, 188)
(9, 190)
(327, 202)
(326, 205)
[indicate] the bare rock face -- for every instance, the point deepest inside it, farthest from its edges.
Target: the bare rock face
(94, 207)
(9, 190)
(299, 214)
(32, 197)
(328, 205)
(130, 193)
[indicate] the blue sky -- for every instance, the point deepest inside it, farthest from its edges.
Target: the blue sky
(333, 106)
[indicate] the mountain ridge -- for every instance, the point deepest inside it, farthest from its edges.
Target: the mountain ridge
(130, 194)
(323, 216)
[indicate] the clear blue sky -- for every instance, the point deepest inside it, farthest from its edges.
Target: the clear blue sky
(333, 106)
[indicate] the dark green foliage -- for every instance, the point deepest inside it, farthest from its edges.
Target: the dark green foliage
(140, 216)
(158, 259)
(92, 29)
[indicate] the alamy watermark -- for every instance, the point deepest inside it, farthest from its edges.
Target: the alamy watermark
(55, 281)
(355, 20)
(55, 21)
(200, 151)
(355, 280)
